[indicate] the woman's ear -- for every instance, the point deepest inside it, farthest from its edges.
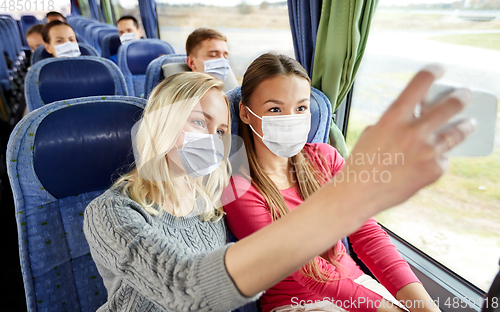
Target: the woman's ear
(244, 114)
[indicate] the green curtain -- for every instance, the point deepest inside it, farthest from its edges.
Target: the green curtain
(342, 34)
(84, 8)
(106, 9)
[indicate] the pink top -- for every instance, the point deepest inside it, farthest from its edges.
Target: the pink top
(249, 213)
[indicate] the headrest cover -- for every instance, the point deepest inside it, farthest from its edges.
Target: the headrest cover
(80, 148)
(74, 78)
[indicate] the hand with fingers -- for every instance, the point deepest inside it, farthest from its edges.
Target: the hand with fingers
(414, 146)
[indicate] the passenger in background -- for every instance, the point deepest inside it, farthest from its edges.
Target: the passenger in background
(34, 36)
(206, 51)
(128, 28)
(60, 39)
(55, 16)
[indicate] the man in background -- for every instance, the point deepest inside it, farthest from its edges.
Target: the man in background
(128, 28)
(55, 16)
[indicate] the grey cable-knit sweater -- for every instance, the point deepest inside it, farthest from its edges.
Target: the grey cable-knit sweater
(161, 263)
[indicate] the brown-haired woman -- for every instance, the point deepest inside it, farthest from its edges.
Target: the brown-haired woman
(284, 171)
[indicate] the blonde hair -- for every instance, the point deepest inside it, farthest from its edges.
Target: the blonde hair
(166, 113)
(267, 66)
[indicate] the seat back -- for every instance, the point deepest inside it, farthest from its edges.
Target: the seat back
(134, 58)
(110, 44)
(154, 72)
(101, 34)
(321, 114)
(80, 39)
(11, 39)
(57, 79)
(61, 157)
(94, 35)
(41, 54)
(25, 22)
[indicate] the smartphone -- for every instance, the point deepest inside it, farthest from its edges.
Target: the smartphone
(483, 108)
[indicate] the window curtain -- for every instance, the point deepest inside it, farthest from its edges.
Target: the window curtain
(304, 21)
(75, 9)
(149, 18)
(106, 11)
(340, 45)
(94, 10)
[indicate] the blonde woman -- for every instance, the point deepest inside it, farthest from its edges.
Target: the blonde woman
(157, 236)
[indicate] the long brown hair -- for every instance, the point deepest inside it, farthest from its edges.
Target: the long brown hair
(268, 66)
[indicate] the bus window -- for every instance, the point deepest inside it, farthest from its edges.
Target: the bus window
(251, 27)
(456, 221)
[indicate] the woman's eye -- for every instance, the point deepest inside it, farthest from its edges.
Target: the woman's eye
(199, 123)
(302, 109)
(220, 132)
(274, 110)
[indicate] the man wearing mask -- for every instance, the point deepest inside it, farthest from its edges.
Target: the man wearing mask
(54, 16)
(128, 28)
(206, 51)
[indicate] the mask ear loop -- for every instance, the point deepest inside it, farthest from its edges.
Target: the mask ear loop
(251, 125)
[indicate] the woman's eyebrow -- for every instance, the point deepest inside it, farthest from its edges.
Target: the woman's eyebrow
(207, 116)
(274, 101)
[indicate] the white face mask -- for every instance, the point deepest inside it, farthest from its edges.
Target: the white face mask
(284, 135)
(67, 49)
(201, 153)
(128, 37)
(218, 68)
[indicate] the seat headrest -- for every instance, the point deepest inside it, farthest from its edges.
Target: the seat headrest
(140, 53)
(74, 77)
(84, 143)
(174, 68)
(319, 107)
(110, 45)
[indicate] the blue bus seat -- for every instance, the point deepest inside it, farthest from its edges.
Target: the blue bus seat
(110, 45)
(154, 72)
(57, 79)
(134, 58)
(4, 75)
(93, 35)
(61, 157)
(25, 22)
(80, 39)
(11, 36)
(99, 35)
(41, 54)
